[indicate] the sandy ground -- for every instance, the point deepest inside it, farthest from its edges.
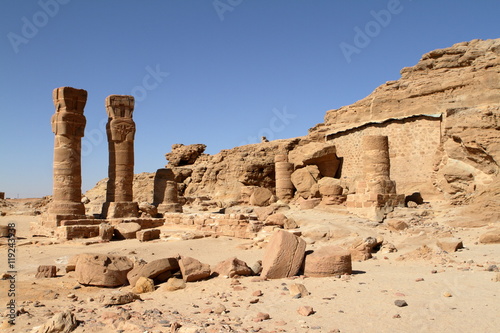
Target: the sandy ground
(444, 291)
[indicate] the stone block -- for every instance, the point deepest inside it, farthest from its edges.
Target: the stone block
(193, 270)
(449, 244)
(328, 261)
(232, 267)
(127, 230)
(102, 270)
(77, 231)
(148, 234)
(284, 255)
(153, 269)
(46, 271)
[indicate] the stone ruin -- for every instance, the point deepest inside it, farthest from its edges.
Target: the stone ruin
(306, 172)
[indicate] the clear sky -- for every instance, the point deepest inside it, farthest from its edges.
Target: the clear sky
(221, 72)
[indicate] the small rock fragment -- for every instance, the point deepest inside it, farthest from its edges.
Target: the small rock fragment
(400, 303)
(305, 311)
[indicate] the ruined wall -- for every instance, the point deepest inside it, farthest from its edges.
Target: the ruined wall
(413, 148)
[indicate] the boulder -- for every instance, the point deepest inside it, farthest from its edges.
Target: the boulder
(46, 271)
(490, 237)
(173, 284)
(361, 249)
(62, 322)
(153, 270)
(261, 197)
(328, 261)
(193, 270)
(396, 224)
(232, 267)
(283, 256)
(449, 244)
(127, 230)
(279, 219)
(304, 179)
(143, 285)
(102, 270)
(298, 289)
(184, 155)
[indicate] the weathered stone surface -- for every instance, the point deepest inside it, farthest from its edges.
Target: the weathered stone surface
(69, 232)
(449, 244)
(106, 231)
(68, 125)
(193, 270)
(396, 224)
(304, 178)
(283, 256)
(153, 269)
(46, 271)
(309, 203)
(117, 298)
(71, 265)
(143, 285)
(102, 270)
(279, 219)
(361, 249)
(184, 155)
(232, 267)
(148, 234)
(305, 310)
(490, 237)
(284, 186)
(261, 197)
(127, 230)
(298, 289)
(62, 322)
(322, 155)
(148, 209)
(120, 130)
(173, 284)
(328, 261)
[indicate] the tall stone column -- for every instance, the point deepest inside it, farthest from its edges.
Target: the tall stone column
(121, 131)
(68, 125)
(165, 195)
(376, 194)
(284, 185)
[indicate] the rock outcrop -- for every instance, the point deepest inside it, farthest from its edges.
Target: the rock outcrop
(442, 118)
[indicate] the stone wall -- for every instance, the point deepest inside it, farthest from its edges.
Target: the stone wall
(413, 147)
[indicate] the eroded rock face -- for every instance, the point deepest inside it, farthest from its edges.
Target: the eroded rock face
(442, 118)
(184, 155)
(193, 270)
(102, 270)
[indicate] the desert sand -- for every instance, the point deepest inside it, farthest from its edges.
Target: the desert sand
(443, 291)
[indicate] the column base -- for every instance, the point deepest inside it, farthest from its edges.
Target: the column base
(169, 208)
(62, 210)
(112, 210)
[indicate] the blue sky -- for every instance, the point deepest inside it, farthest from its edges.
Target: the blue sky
(219, 72)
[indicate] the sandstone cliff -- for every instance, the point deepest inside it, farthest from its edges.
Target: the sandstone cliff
(457, 89)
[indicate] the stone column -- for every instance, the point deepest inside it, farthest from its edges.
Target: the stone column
(284, 185)
(165, 195)
(121, 131)
(376, 194)
(68, 125)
